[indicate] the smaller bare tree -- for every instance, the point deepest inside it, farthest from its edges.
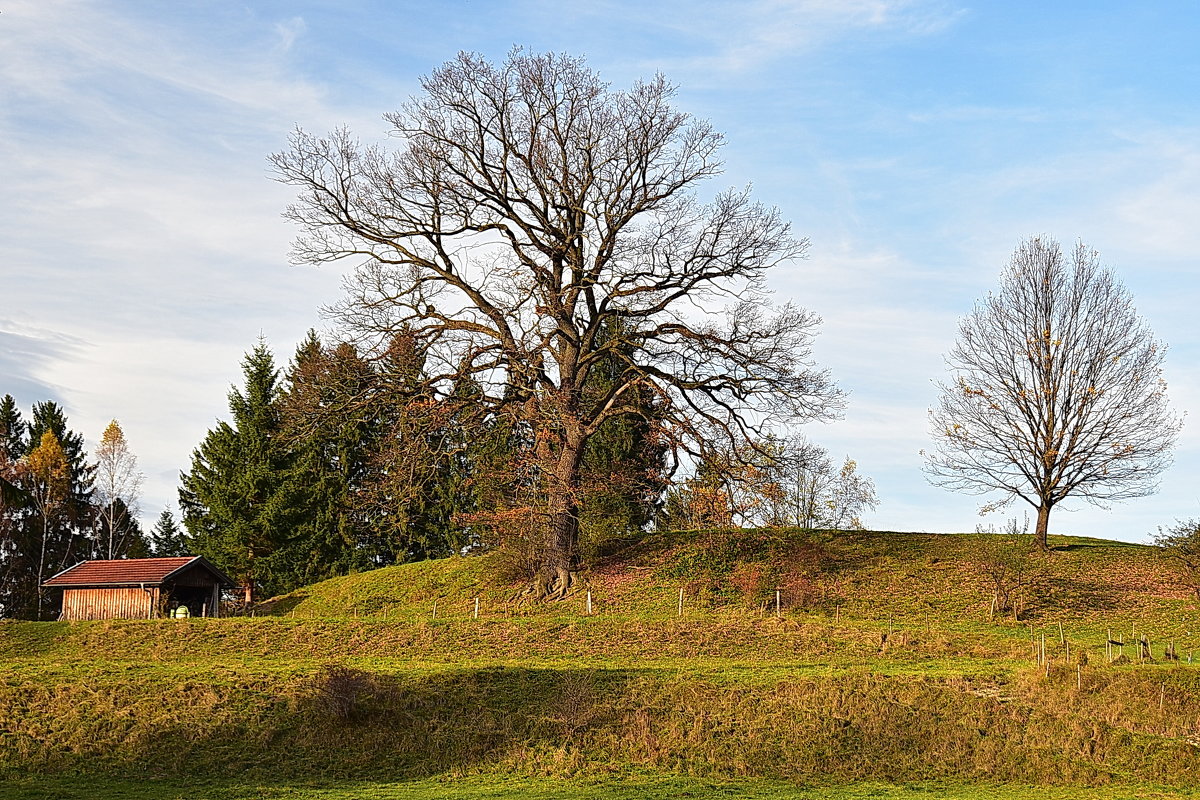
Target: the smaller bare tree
(1180, 544)
(813, 493)
(1056, 390)
(1011, 565)
(775, 482)
(118, 487)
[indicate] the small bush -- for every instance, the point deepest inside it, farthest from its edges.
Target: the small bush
(342, 692)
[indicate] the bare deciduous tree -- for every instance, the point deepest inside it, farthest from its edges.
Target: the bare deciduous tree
(528, 207)
(1180, 544)
(1056, 392)
(118, 487)
(808, 490)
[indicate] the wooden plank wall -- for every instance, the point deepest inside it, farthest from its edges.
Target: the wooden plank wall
(113, 603)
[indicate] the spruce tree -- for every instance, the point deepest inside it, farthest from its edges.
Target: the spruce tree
(625, 469)
(13, 441)
(236, 500)
(12, 448)
(329, 428)
(14, 508)
(167, 539)
(418, 483)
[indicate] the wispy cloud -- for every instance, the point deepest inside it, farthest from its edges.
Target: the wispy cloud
(748, 36)
(143, 248)
(27, 357)
(1162, 209)
(73, 47)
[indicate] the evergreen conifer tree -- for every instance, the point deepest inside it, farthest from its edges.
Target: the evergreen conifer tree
(13, 442)
(625, 463)
(12, 448)
(331, 435)
(167, 539)
(14, 504)
(53, 530)
(419, 481)
(237, 499)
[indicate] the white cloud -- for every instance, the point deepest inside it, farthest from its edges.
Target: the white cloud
(1159, 213)
(726, 40)
(26, 356)
(74, 48)
(289, 32)
(143, 246)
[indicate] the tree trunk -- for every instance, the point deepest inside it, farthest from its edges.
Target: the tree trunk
(1043, 526)
(561, 559)
(248, 587)
(560, 556)
(42, 564)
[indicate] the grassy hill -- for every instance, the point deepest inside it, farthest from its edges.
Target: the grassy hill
(882, 665)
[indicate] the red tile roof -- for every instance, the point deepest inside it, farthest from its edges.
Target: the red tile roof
(127, 571)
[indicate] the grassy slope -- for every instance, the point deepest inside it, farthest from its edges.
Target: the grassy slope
(882, 666)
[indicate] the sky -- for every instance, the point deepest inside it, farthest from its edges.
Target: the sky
(914, 143)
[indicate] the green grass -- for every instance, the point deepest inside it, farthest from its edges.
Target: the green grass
(873, 578)
(881, 668)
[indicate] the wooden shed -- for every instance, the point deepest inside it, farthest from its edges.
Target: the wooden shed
(140, 588)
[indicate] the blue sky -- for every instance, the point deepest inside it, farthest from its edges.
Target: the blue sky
(914, 143)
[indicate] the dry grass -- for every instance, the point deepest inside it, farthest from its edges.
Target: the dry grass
(881, 666)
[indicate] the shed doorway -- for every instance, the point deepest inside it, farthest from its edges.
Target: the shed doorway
(197, 599)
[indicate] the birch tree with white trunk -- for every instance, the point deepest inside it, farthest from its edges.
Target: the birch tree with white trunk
(117, 478)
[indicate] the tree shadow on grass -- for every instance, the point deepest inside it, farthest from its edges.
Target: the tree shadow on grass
(345, 722)
(1094, 545)
(348, 725)
(1074, 595)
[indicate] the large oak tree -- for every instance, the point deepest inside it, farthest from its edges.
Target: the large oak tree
(524, 209)
(1057, 389)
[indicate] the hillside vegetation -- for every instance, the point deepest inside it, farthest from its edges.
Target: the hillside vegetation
(882, 663)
